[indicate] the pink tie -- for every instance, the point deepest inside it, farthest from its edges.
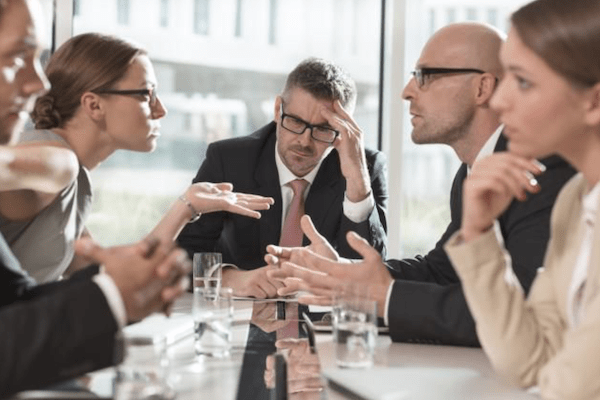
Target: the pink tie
(291, 236)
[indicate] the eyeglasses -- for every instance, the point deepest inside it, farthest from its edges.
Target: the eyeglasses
(423, 75)
(298, 126)
(150, 92)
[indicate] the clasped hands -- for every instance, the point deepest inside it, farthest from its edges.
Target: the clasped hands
(149, 274)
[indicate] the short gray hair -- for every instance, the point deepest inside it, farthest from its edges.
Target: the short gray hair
(323, 80)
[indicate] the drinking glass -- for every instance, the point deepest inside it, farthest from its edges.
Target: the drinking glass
(206, 270)
(213, 314)
(354, 331)
(143, 373)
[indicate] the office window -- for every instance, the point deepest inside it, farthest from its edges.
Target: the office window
(123, 9)
(492, 16)
(471, 14)
(201, 16)
(164, 13)
(451, 15)
(273, 19)
(238, 18)
(216, 88)
(428, 170)
(431, 21)
(76, 5)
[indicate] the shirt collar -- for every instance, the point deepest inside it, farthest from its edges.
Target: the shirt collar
(490, 145)
(285, 175)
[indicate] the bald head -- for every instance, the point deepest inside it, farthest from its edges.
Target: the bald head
(465, 45)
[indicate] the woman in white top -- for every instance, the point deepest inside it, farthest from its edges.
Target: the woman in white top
(549, 102)
(103, 98)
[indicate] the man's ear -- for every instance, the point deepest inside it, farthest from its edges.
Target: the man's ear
(485, 89)
(592, 110)
(92, 105)
(277, 109)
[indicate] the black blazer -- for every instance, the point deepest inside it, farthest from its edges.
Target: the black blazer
(248, 162)
(53, 332)
(427, 303)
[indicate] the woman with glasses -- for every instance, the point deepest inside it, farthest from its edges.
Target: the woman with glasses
(549, 102)
(103, 98)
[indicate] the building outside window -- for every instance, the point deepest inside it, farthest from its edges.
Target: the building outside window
(273, 20)
(201, 16)
(123, 9)
(164, 13)
(239, 17)
(218, 86)
(428, 170)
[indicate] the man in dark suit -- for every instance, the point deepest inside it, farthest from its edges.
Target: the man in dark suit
(53, 332)
(314, 137)
(421, 299)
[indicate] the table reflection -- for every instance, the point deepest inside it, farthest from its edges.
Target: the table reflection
(268, 334)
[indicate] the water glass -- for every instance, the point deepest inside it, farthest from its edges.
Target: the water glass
(143, 373)
(206, 269)
(354, 331)
(213, 315)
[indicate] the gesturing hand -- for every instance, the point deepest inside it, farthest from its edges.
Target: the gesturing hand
(325, 278)
(318, 244)
(208, 197)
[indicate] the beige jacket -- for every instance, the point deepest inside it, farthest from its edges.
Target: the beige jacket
(528, 341)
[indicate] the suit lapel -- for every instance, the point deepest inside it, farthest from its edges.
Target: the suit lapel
(456, 194)
(267, 184)
(326, 191)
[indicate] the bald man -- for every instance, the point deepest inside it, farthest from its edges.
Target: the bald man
(421, 298)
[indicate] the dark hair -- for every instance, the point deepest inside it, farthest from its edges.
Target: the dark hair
(566, 34)
(84, 63)
(323, 80)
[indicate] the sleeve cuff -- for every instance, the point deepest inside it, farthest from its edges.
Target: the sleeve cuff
(359, 212)
(387, 304)
(113, 296)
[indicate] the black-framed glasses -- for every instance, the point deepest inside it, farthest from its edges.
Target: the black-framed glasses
(150, 92)
(423, 75)
(298, 126)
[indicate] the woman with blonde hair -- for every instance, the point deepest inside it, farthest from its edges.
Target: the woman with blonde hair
(103, 98)
(549, 102)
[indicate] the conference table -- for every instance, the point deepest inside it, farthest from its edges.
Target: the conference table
(400, 370)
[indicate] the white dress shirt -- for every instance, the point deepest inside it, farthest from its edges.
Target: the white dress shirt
(355, 212)
(113, 296)
(575, 309)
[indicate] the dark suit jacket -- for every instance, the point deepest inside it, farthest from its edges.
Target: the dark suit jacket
(51, 332)
(249, 164)
(427, 303)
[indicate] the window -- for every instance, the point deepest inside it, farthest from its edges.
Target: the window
(123, 12)
(201, 16)
(427, 171)
(164, 13)
(472, 14)
(238, 18)
(216, 88)
(76, 6)
(492, 16)
(272, 21)
(451, 15)
(431, 21)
